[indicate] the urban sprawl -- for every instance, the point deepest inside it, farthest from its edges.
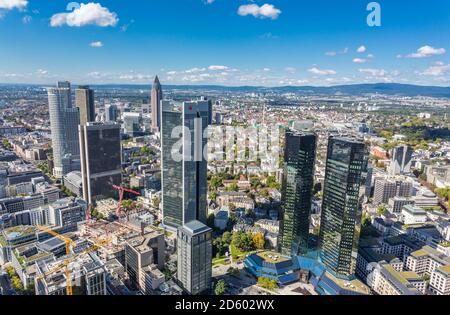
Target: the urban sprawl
(118, 190)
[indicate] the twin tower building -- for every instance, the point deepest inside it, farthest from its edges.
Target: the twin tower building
(79, 143)
(336, 246)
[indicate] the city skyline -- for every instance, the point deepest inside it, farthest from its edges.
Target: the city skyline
(272, 44)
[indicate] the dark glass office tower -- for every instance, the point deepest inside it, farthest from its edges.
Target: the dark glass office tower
(341, 208)
(197, 117)
(84, 100)
(172, 170)
(101, 160)
(297, 186)
(184, 177)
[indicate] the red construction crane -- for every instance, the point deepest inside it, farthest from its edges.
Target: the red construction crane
(121, 192)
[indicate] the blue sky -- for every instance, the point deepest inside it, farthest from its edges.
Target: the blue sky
(229, 42)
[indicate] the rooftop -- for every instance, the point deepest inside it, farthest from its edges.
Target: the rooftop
(273, 257)
(350, 285)
(196, 227)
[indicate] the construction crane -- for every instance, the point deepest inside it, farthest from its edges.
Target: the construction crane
(69, 243)
(66, 263)
(122, 190)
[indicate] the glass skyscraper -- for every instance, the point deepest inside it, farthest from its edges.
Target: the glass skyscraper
(297, 186)
(194, 253)
(84, 101)
(172, 183)
(184, 168)
(341, 208)
(64, 121)
(101, 160)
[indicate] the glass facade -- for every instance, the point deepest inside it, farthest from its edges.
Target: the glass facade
(196, 119)
(184, 182)
(194, 250)
(84, 100)
(297, 186)
(341, 209)
(172, 182)
(101, 161)
(64, 120)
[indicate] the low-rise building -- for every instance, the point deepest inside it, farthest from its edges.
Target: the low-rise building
(426, 260)
(413, 215)
(386, 280)
(440, 281)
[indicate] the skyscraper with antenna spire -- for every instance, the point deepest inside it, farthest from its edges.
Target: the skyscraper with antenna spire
(156, 98)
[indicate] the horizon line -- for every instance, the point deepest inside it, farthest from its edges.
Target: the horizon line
(233, 86)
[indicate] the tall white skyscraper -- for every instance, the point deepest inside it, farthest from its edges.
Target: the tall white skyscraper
(401, 160)
(64, 121)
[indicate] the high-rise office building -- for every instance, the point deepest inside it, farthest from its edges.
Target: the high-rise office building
(111, 112)
(84, 101)
(132, 124)
(341, 208)
(194, 251)
(387, 188)
(64, 120)
(155, 99)
(101, 160)
(401, 160)
(184, 169)
(297, 186)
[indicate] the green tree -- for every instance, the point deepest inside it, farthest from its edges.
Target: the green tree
(382, 210)
(258, 240)
(156, 202)
(244, 241)
(233, 187)
(227, 237)
(220, 287)
(267, 283)
(271, 182)
(366, 220)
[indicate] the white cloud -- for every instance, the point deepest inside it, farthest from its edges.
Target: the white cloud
(216, 68)
(27, 19)
(370, 56)
(290, 70)
(374, 72)
(87, 14)
(195, 70)
(209, 1)
(359, 60)
(264, 11)
(318, 71)
(427, 51)
(438, 69)
(362, 49)
(335, 53)
(268, 36)
(97, 44)
(13, 4)
(125, 27)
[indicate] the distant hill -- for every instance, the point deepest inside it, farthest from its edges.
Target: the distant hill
(354, 89)
(351, 89)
